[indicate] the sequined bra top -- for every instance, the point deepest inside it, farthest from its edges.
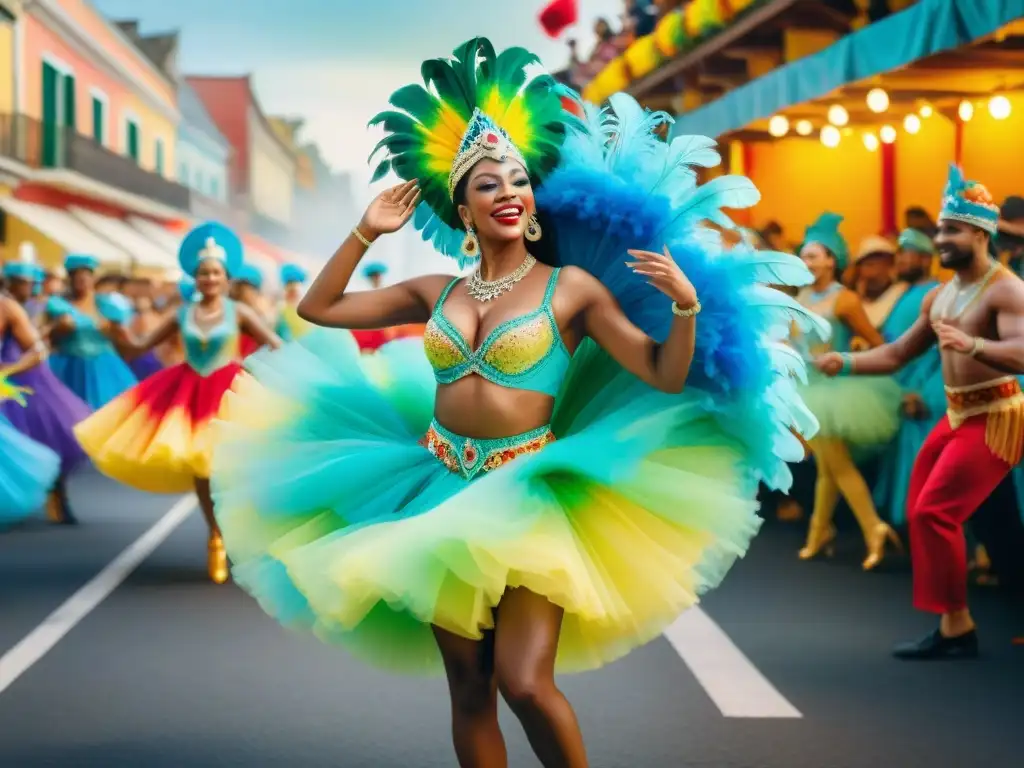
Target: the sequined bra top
(212, 349)
(526, 352)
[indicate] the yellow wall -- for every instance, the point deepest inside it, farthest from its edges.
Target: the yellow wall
(6, 70)
(922, 165)
(152, 124)
(991, 150)
(801, 178)
(49, 253)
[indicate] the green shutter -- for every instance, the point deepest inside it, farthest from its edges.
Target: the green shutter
(133, 141)
(70, 115)
(160, 156)
(97, 121)
(50, 129)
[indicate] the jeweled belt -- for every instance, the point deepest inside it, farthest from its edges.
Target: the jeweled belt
(1003, 402)
(469, 456)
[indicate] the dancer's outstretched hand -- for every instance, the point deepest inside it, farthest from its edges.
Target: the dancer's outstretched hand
(663, 273)
(831, 363)
(389, 210)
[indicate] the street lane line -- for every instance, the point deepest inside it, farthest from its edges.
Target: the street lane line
(43, 638)
(731, 680)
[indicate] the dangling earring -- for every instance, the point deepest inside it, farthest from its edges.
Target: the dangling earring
(533, 231)
(470, 244)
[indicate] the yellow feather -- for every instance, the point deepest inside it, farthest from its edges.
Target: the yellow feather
(510, 116)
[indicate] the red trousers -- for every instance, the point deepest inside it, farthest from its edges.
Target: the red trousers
(954, 473)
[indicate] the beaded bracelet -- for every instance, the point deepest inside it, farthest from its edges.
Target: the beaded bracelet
(690, 312)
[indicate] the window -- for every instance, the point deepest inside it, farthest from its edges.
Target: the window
(58, 112)
(131, 138)
(214, 188)
(99, 117)
(159, 161)
(197, 182)
(183, 173)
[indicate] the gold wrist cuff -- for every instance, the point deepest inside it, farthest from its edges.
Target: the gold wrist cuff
(361, 237)
(979, 346)
(688, 312)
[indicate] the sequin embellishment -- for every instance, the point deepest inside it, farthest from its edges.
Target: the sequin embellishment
(469, 457)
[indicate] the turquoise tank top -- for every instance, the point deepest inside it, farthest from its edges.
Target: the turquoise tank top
(824, 305)
(210, 350)
(526, 352)
(86, 339)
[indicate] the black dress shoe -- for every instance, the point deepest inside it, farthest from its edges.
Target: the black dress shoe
(935, 646)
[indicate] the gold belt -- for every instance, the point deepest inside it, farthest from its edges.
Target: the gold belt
(1003, 403)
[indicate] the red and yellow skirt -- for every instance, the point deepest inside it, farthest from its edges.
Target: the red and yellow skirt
(158, 436)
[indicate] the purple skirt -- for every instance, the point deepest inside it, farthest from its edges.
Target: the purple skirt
(51, 413)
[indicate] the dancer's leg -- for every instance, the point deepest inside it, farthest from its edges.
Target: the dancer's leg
(525, 649)
(469, 667)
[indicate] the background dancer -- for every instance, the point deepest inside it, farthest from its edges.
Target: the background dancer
(50, 414)
(158, 436)
(292, 278)
(540, 488)
(850, 412)
(28, 470)
(924, 397)
(978, 322)
(80, 331)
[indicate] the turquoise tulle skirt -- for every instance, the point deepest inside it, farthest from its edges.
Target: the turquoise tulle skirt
(96, 380)
(340, 521)
(28, 471)
(863, 411)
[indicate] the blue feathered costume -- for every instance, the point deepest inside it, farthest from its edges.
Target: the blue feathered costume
(340, 517)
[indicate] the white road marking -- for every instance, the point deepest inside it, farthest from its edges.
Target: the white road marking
(43, 638)
(731, 680)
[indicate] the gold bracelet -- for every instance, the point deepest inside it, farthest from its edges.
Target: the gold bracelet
(361, 237)
(979, 346)
(686, 312)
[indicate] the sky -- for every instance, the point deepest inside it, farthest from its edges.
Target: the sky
(336, 62)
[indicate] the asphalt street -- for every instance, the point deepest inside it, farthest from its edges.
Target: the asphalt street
(171, 671)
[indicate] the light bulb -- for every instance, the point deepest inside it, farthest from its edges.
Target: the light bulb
(887, 134)
(871, 142)
(837, 115)
(999, 107)
(912, 123)
(804, 127)
(830, 136)
(878, 100)
(965, 110)
(778, 126)
(926, 110)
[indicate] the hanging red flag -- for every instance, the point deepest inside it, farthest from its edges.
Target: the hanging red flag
(558, 15)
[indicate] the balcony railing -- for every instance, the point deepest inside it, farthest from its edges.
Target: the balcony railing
(45, 145)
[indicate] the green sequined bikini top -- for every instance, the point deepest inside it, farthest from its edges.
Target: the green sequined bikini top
(526, 352)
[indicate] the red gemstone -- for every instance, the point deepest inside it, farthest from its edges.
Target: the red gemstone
(491, 138)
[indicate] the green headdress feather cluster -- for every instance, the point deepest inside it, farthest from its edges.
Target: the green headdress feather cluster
(476, 100)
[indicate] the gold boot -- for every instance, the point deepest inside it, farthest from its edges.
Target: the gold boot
(881, 535)
(217, 559)
(820, 538)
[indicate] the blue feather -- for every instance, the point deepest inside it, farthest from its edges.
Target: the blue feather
(776, 268)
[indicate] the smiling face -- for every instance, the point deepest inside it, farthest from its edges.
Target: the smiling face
(498, 201)
(211, 278)
(819, 261)
(957, 242)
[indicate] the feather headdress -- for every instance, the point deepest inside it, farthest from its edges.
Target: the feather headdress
(476, 104)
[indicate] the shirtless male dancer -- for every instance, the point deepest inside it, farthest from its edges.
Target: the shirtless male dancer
(978, 321)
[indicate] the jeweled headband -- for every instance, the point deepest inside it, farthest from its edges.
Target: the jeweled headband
(483, 141)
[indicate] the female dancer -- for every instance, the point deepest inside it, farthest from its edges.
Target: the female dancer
(247, 290)
(80, 330)
(540, 489)
(157, 436)
(850, 411)
(28, 470)
(292, 278)
(49, 416)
